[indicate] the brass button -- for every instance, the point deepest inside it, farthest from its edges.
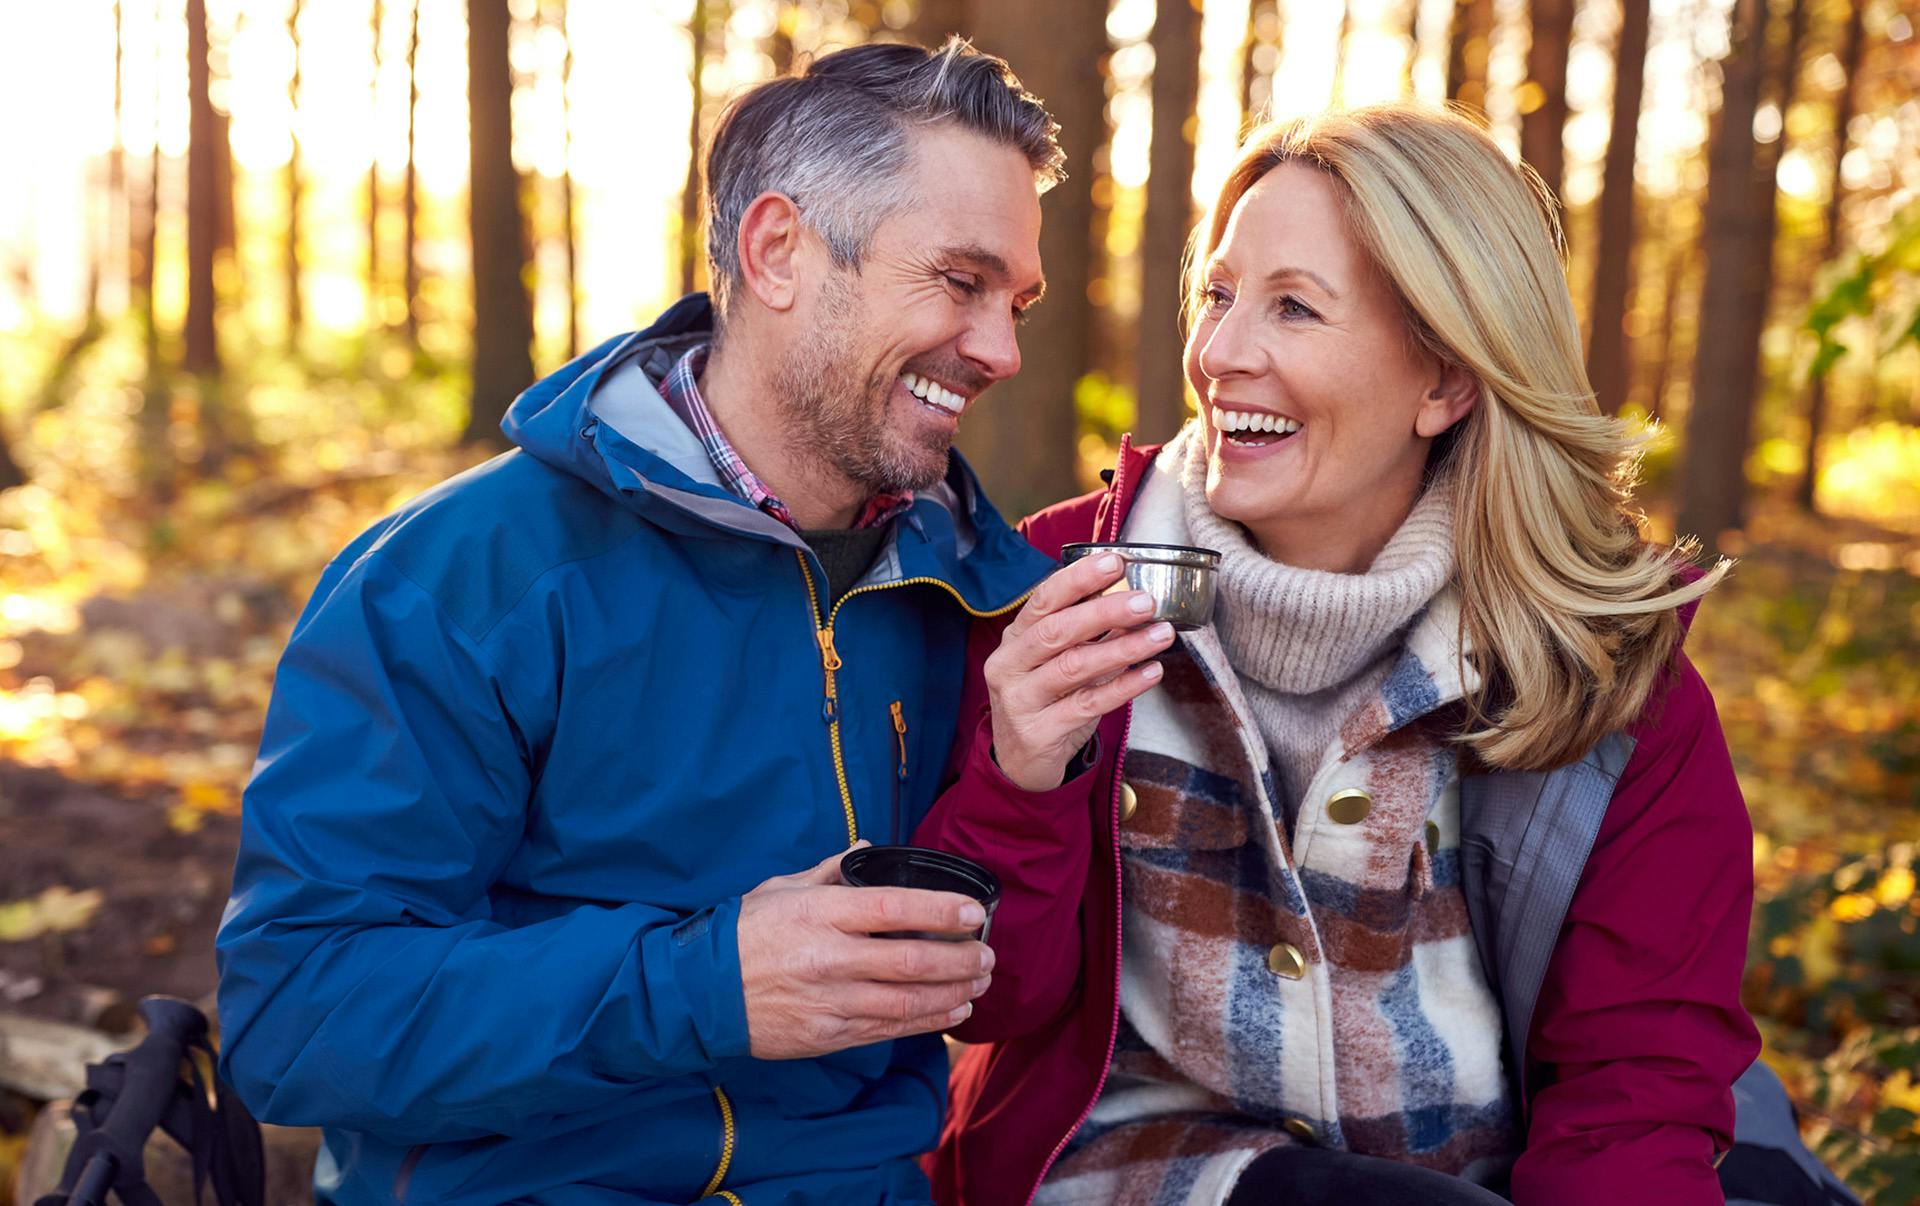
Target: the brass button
(1286, 960)
(1350, 807)
(1129, 802)
(1433, 837)
(1303, 1131)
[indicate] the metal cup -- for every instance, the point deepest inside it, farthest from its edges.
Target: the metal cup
(1179, 577)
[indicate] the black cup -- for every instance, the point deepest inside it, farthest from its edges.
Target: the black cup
(919, 867)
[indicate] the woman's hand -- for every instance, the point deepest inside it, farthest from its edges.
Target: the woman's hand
(1071, 656)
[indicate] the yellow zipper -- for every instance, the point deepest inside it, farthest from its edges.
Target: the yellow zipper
(726, 1149)
(830, 664)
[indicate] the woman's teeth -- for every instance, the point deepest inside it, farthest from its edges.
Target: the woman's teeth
(1234, 422)
(933, 393)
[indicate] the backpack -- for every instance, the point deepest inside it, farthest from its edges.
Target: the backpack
(1525, 837)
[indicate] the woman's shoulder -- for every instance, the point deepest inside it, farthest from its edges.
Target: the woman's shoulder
(1680, 770)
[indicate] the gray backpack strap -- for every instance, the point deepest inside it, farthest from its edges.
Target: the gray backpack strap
(1525, 838)
(1769, 1165)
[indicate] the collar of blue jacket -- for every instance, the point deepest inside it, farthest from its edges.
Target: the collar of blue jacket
(601, 418)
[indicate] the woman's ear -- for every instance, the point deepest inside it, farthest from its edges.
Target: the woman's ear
(1446, 403)
(769, 245)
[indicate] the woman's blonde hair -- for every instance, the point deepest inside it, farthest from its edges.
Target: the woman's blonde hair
(1569, 614)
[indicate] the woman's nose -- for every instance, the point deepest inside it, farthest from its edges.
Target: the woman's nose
(1230, 349)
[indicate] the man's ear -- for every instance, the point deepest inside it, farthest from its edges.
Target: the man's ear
(1446, 403)
(769, 248)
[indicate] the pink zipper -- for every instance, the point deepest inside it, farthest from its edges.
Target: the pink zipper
(1113, 1024)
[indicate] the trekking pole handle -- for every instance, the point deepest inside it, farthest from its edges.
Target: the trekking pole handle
(95, 1180)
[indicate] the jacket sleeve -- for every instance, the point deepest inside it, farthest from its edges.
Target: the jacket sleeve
(1038, 844)
(364, 981)
(1639, 1032)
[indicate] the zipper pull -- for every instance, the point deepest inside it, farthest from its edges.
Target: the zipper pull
(829, 657)
(900, 735)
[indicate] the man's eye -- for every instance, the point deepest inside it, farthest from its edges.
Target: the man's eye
(1021, 314)
(966, 285)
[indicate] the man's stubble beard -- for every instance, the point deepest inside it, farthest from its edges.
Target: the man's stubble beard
(843, 420)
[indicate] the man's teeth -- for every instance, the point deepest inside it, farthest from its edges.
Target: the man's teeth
(932, 391)
(1247, 420)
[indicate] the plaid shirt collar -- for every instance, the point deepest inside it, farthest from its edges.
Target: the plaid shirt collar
(681, 389)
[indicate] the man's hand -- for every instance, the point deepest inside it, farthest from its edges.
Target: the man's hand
(1058, 671)
(816, 981)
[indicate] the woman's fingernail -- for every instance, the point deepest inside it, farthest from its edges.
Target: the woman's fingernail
(1140, 603)
(1162, 631)
(1110, 563)
(1152, 670)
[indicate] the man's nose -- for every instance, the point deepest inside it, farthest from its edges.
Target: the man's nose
(993, 346)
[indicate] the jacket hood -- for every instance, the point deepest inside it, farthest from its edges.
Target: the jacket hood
(601, 418)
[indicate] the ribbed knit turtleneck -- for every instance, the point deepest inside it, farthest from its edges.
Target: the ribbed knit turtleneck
(1309, 645)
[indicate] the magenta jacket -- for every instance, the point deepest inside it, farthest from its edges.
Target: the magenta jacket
(1636, 1038)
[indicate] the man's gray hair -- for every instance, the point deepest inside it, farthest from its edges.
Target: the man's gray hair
(835, 139)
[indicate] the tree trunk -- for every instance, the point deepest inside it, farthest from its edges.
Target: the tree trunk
(410, 197)
(569, 236)
(115, 234)
(691, 252)
(1469, 41)
(1844, 105)
(1160, 383)
(201, 354)
(1264, 40)
(780, 41)
(1738, 388)
(1543, 99)
(935, 20)
(376, 296)
(11, 474)
(1677, 263)
(1407, 88)
(502, 313)
(296, 318)
(1607, 363)
(1713, 489)
(1024, 442)
(1340, 39)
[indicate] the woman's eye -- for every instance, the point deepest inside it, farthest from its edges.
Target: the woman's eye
(1217, 298)
(1293, 307)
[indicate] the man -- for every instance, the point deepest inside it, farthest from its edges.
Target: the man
(515, 915)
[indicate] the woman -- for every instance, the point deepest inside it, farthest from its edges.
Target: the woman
(1422, 874)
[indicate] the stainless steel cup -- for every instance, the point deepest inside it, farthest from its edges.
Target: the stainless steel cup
(1179, 577)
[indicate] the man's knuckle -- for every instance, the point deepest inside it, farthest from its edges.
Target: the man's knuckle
(1071, 664)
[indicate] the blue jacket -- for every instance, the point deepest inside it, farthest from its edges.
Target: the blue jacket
(534, 736)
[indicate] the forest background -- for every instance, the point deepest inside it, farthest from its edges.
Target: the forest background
(269, 267)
